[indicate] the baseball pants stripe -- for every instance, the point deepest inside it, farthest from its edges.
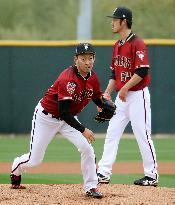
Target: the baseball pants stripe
(32, 135)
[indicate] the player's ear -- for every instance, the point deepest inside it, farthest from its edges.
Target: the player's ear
(75, 59)
(124, 20)
(94, 58)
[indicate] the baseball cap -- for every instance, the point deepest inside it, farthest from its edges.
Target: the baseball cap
(84, 48)
(122, 12)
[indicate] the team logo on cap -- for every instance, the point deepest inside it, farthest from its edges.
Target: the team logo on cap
(71, 87)
(86, 46)
(115, 10)
(140, 54)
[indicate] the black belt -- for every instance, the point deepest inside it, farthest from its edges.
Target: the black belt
(53, 116)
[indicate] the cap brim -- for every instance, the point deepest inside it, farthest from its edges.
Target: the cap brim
(88, 52)
(114, 17)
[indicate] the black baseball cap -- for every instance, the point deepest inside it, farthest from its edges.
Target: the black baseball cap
(122, 12)
(83, 48)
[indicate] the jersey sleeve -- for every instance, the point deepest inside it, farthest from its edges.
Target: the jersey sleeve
(114, 53)
(66, 88)
(141, 55)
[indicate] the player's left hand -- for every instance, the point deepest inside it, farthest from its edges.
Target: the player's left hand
(123, 94)
(107, 112)
(107, 96)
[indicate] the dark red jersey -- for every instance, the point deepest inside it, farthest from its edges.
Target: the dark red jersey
(70, 85)
(128, 57)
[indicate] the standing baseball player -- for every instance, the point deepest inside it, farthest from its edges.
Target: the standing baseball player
(57, 111)
(130, 77)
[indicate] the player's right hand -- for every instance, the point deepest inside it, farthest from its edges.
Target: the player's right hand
(123, 94)
(89, 135)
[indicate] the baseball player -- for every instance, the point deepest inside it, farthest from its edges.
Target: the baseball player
(57, 111)
(130, 77)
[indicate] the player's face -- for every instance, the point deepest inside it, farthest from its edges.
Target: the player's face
(84, 63)
(117, 25)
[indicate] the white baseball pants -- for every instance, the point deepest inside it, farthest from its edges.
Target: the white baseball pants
(44, 128)
(137, 110)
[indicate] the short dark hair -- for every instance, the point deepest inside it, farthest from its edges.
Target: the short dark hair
(129, 23)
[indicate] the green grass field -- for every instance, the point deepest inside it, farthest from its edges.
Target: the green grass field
(60, 150)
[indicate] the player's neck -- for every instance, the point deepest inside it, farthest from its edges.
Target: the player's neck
(124, 34)
(84, 75)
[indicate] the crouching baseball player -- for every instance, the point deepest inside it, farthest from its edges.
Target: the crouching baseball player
(57, 111)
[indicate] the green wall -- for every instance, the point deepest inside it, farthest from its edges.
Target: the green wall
(27, 71)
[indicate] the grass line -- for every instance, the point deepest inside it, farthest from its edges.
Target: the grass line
(61, 150)
(164, 180)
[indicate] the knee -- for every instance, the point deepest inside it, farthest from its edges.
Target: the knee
(87, 149)
(34, 162)
(88, 153)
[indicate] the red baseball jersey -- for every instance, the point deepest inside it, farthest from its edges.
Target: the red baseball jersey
(128, 57)
(70, 85)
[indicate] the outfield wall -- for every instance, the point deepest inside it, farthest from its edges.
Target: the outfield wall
(29, 68)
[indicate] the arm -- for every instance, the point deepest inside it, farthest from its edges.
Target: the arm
(106, 94)
(110, 87)
(65, 114)
(139, 74)
(108, 91)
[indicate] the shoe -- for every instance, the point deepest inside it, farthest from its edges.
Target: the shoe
(94, 192)
(146, 181)
(103, 179)
(16, 181)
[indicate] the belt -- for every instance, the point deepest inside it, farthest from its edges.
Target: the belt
(53, 116)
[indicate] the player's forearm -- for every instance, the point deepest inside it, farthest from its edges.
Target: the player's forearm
(70, 120)
(110, 87)
(98, 102)
(132, 82)
(65, 114)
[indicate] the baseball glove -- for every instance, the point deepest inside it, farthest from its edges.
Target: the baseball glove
(107, 112)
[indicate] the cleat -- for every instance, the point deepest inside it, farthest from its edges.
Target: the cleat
(16, 186)
(16, 181)
(146, 181)
(94, 193)
(103, 179)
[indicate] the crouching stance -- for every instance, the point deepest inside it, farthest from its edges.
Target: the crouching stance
(57, 111)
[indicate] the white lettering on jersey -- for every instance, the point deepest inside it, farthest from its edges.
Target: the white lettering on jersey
(122, 61)
(79, 97)
(125, 75)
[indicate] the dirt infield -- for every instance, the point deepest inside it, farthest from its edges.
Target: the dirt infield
(38, 194)
(74, 168)
(74, 195)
